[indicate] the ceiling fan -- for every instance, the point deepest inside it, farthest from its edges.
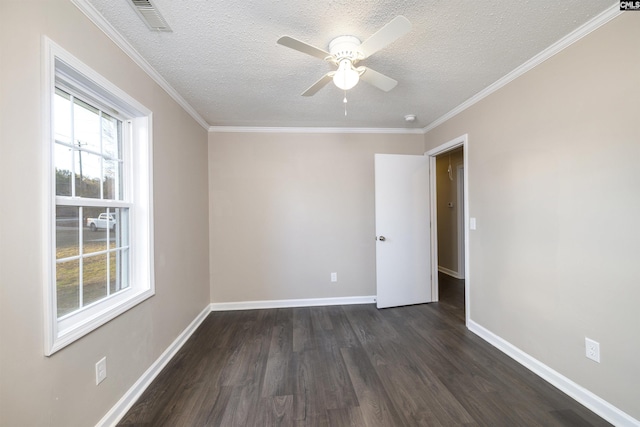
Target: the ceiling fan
(346, 51)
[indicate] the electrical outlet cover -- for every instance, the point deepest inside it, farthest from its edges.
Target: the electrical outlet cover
(592, 349)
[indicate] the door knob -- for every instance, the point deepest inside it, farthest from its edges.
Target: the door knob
(382, 238)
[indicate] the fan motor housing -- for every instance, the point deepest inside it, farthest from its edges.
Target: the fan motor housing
(346, 47)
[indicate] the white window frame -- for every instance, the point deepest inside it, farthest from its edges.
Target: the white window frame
(138, 188)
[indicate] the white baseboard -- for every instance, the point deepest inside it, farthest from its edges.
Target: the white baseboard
(598, 405)
(125, 403)
(451, 273)
(312, 302)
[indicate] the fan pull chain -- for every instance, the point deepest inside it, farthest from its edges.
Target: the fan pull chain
(344, 101)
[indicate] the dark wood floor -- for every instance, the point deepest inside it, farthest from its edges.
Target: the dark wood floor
(350, 366)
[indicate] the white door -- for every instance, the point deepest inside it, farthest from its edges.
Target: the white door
(403, 255)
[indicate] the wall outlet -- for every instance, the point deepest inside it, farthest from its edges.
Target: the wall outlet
(334, 277)
(592, 349)
(101, 370)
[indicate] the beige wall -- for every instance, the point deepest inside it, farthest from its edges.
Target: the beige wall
(60, 390)
(447, 192)
(286, 210)
(554, 183)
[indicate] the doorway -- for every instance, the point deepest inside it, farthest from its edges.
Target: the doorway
(449, 208)
(449, 213)
(417, 188)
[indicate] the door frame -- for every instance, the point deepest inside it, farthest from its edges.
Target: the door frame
(460, 219)
(461, 141)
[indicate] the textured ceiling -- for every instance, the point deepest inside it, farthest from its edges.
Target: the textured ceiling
(222, 56)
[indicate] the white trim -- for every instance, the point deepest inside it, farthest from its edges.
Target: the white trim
(454, 274)
(285, 303)
(460, 218)
(257, 129)
(580, 394)
(48, 197)
(89, 10)
(448, 146)
(125, 403)
(467, 248)
(62, 332)
(433, 231)
(461, 141)
(95, 17)
(119, 410)
(555, 48)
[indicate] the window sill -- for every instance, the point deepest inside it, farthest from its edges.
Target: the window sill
(94, 317)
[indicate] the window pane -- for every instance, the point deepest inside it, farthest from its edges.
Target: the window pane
(94, 277)
(120, 235)
(123, 268)
(118, 270)
(63, 158)
(112, 150)
(111, 136)
(114, 284)
(86, 126)
(67, 231)
(62, 117)
(112, 180)
(96, 226)
(67, 286)
(88, 173)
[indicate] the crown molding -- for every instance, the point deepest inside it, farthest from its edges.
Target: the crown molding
(256, 129)
(95, 17)
(555, 48)
(552, 50)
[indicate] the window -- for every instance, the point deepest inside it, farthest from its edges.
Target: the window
(100, 258)
(92, 233)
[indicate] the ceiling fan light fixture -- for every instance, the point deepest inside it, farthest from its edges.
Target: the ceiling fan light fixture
(347, 51)
(347, 76)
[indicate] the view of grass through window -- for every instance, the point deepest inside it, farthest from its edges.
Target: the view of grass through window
(92, 237)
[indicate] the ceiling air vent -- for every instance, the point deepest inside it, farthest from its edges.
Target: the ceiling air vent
(150, 15)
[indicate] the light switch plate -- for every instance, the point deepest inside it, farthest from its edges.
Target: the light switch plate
(101, 370)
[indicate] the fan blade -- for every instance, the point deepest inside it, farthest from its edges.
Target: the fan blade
(377, 79)
(398, 27)
(303, 47)
(318, 85)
